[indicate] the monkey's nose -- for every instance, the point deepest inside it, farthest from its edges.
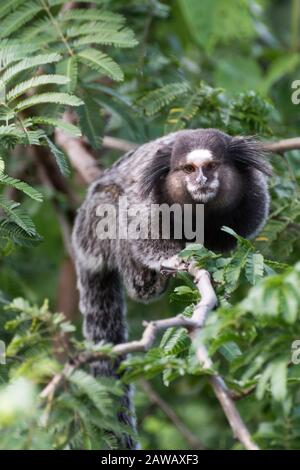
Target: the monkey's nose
(201, 179)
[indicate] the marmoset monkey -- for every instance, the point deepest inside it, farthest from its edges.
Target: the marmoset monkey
(203, 166)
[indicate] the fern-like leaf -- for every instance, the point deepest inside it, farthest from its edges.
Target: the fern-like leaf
(102, 63)
(59, 98)
(17, 215)
(180, 117)
(119, 38)
(7, 7)
(29, 63)
(18, 18)
(35, 82)
(2, 165)
(21, 186)
(69, 68)
(96, 392)
(90, 120)
(90, 28)
(11, 51)
(59, 157)
(80, 14)
(39, 27)
(157, 99)
(11, 231)
(65, 126)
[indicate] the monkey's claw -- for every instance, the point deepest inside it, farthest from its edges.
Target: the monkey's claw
(167, 271)
(171, 266)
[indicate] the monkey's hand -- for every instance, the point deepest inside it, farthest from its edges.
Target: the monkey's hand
(171, 266)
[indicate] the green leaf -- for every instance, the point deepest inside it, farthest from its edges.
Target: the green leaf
(200, 97)
(102, 63)
(230, 351)
(59, 98)
(2, 166)
(96, 392)
(17, 215)
(18, 18)
(92, 15)
(276, 296)
(284, 65)
(155, 100)
(7, 7)
(233, 270)
(254, 267)
(69, 68)
(214, 21)
(275, 376)
(89, 28)
(21, 186)
(11, 51)
(120, 38)
(279, 380)
(59, 157)
(65, 126)
(28, 63)
(90, 120)
(263, 382)
(12, 232)
(35, 82)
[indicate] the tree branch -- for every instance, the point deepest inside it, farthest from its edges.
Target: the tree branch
(80, 158)
(282, 145)
(118, 144)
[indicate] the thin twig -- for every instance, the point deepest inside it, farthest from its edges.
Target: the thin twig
(157, 400)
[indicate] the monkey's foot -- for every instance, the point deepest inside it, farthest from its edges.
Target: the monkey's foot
(171, 266)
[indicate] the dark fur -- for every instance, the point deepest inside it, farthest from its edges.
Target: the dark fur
(243, 152)
(246, 155)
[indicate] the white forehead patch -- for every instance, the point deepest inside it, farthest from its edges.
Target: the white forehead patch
(199, 156)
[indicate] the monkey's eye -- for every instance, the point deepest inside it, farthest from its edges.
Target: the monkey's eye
(211, 166)
(188, 168)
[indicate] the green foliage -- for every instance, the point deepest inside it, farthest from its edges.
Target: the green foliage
(204, 106)
(101, 63)
(62, 42)
(79, 416)
(213, 21)
(155, 100)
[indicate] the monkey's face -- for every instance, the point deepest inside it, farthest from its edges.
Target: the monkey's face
(197, 161)
(204, 166)
(197, 175)
(200, 173)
